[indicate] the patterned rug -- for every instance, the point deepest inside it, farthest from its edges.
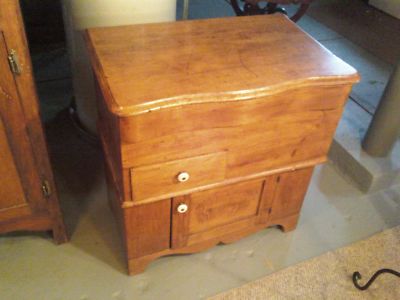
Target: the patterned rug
(329, 276)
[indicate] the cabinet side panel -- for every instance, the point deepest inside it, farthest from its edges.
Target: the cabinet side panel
(108, 127)
(147, 228)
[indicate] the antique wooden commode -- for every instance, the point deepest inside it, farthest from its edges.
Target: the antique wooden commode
(211, 128)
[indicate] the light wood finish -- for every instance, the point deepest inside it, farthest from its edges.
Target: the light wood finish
(268, 195)
(186, 134)
(138, 265)
(148, 228)
(11, 192)
(289, 193)
(213, 60)
(212, 209)
(23, 155)
(16, 143)
(229, 101)
(161, 180)
(180, 222)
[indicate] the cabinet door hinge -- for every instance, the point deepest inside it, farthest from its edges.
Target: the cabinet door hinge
(14, 62)
(46, 188)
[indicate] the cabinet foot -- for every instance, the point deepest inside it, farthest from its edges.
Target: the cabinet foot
(58, 227)
(138, 265)
(289, 223)
(59, 233)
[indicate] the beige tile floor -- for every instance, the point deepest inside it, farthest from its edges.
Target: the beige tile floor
(92, 266)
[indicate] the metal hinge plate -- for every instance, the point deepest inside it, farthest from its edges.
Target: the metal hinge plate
(46, 188)
(14, 62)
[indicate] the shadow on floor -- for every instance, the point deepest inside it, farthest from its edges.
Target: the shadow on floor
(79, 174)
(330, 184)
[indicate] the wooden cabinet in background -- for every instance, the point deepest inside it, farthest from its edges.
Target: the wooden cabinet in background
(28, 200)
(211, 128)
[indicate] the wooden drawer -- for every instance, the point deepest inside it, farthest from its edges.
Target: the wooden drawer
(166, 179)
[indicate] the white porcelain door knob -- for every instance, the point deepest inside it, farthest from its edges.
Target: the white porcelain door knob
(183, 176)
(182, 208)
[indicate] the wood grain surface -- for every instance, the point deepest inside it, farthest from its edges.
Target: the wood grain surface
(162, 179)
(19, 113)
(150, 67)
(246, 106)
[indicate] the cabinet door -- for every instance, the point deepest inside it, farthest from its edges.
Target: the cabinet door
(27, 190)
(12, 197)
(213, 213)
(20, 184)
(239, 208)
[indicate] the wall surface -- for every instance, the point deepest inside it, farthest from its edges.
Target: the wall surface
(392, 7)
(79, 15)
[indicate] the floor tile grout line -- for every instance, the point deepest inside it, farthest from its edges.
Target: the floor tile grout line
(360, 105)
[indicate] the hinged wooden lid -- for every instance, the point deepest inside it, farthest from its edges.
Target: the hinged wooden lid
(147, 67)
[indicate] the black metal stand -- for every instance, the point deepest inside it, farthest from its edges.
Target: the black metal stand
(254, 7)
(357, 276)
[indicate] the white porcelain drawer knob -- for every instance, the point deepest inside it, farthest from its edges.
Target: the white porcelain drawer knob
(183, 176)
(182, 208)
